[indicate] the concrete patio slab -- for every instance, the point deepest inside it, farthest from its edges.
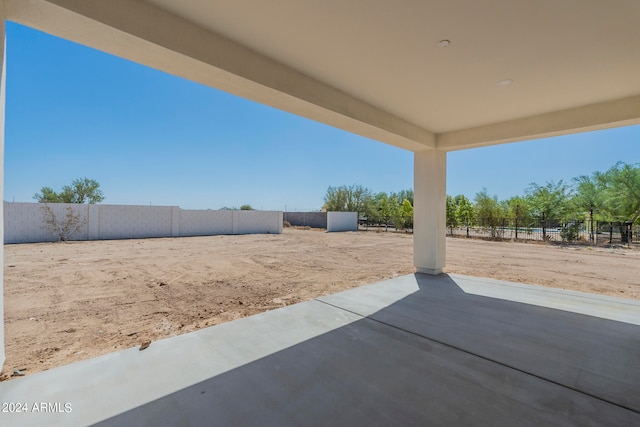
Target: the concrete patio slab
(606, 307)
(490, 319)
(101, 387)
(415, 350)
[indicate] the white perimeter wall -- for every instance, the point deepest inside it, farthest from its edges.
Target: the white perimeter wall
(23, 222)
(342, 221)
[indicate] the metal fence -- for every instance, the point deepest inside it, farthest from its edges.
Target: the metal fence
(580, 231)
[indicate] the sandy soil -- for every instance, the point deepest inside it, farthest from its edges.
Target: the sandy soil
(70, 301)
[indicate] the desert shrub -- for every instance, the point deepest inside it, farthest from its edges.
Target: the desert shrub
(570, 232)
(62, 228)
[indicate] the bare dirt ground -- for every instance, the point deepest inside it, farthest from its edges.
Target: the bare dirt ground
(70, 301)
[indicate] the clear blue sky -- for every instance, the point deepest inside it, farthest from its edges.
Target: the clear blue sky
(149, 137)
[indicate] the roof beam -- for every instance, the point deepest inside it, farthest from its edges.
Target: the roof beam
(603, 115)
(143, 33)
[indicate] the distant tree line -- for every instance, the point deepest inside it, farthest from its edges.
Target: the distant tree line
(611, 196)
(388, 209)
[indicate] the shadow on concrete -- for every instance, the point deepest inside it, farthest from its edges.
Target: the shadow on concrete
(438, 356)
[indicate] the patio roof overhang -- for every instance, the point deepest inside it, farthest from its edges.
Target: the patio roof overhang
(374, 67)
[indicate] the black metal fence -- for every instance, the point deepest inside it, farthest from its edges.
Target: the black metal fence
(580, 231)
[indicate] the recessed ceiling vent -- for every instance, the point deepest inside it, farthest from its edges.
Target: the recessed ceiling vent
(505, 82)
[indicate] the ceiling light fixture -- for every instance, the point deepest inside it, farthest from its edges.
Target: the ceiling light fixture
(505, 82)
(443, 43)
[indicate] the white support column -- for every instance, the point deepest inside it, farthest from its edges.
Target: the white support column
(3, 85)
(429, 216)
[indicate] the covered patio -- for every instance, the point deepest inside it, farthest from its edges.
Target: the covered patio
(416, 350)
(429, 77)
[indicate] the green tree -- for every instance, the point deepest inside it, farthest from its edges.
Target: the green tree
(47, 195)
(465, 213)
(371, 212)
(407, 213)
(353, 198)
(246, 208)
(396, 216)
(83, 190)
(621, 185)
(385, 208)
(547, 202)
(518, 209)
(452, 219)
(405, 195)
(395, 206)
(588, 198)
(489, 212)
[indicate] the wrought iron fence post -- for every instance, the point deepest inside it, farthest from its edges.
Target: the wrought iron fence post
(610, 233)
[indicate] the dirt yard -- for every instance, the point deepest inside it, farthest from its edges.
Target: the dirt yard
(70, 301)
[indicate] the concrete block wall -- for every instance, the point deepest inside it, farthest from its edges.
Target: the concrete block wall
(304, 219)
(198, 223)
(133, 222)
(194, 222)
(342, 221)
(254, 222)
(23, 222)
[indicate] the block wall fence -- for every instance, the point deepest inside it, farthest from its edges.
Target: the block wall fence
(307, 219)
(24, 222)
(342, 221)
(332, 221)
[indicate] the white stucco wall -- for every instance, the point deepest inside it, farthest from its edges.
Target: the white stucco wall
(23, 222)
(342, 221)
(197, 223)
(125, 222)
(250, 222)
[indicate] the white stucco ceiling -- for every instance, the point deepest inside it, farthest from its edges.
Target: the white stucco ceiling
(560, 53)
(373, 67)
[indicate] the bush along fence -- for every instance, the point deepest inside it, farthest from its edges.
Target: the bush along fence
(581, 231)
